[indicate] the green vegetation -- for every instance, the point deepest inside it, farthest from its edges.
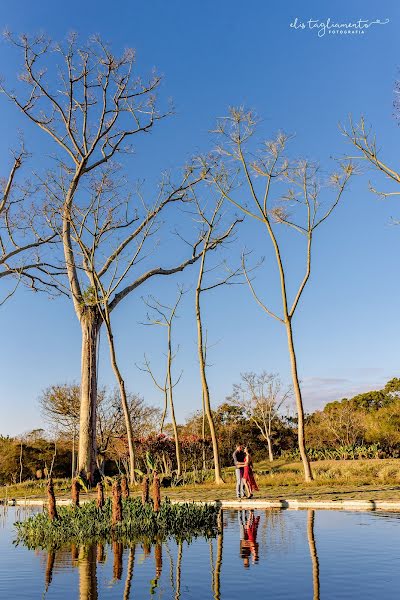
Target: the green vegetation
(78, 525)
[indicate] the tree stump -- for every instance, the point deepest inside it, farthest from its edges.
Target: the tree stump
(156, 493)
(116, 503)
(75, 489)
(124, 487)
(100, 495)
(51, 501)
(145, 490)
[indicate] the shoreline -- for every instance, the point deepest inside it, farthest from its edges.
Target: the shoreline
(285, 504)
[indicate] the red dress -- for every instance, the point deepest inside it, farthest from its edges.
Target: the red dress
(248, 476)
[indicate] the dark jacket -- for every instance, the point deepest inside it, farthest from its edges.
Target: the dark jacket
(238, 457)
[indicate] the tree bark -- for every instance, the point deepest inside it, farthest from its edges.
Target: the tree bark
(171, 406)
(87, 466)
(124, 402)
(204, 384)
(299, 402)
(270, 453)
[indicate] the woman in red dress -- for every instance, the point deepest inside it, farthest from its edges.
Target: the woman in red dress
(248, 474)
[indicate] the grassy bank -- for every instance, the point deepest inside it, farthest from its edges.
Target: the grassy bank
(340, 480)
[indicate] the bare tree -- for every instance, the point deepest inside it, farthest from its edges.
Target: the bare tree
(211, 225)
(23, 233)
(163, 315)
(163, 387)
(298, 188)
(111, 422)
(60, 407)
(364, 140)
(90, 107)
(261, 397)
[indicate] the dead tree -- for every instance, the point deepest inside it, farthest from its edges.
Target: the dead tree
(164, 315)
(90, 107)
(298, 187)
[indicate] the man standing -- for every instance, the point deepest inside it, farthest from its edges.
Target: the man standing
(238, 461)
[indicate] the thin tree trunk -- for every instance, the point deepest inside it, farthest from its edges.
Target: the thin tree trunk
(20, 464)
(87, 424)
(299, 402)
(203, 432)
(171, 406)
(204, 384)
(270, 453)
(73, 455)
(124, 402)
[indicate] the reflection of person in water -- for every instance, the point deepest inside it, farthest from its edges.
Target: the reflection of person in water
(248, 525)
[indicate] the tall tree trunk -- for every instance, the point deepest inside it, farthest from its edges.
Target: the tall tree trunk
(299, 402)
(90, 325)
(171, 406)
(206, 392)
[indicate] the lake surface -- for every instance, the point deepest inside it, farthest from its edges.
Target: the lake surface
(326, 555)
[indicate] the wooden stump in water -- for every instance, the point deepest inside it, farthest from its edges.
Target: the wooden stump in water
(145, 490)
(124, 487)
(75, 489)
(156, 493)
(52, 501)
(100, 495)
(116, 503)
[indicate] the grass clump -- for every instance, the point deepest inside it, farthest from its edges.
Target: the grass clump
(90, 524)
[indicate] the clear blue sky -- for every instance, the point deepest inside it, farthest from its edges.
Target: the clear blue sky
(213, 55)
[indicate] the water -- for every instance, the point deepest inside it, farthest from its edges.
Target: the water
(297, 555)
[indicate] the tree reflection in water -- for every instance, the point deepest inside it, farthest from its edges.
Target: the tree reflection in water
(85, 558)
(313, 552)
(87, 567)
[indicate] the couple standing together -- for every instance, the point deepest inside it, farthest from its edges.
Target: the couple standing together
(244, 472)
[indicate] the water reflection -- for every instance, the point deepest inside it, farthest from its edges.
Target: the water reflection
(313, 552)
(248, 527)
(272, 553)
(166, 583)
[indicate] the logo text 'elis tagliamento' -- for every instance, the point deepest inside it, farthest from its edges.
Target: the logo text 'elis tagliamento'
(332, 27)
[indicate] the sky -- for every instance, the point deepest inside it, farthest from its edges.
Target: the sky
(213, 55)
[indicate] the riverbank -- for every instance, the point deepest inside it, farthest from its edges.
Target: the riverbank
(364, 480)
